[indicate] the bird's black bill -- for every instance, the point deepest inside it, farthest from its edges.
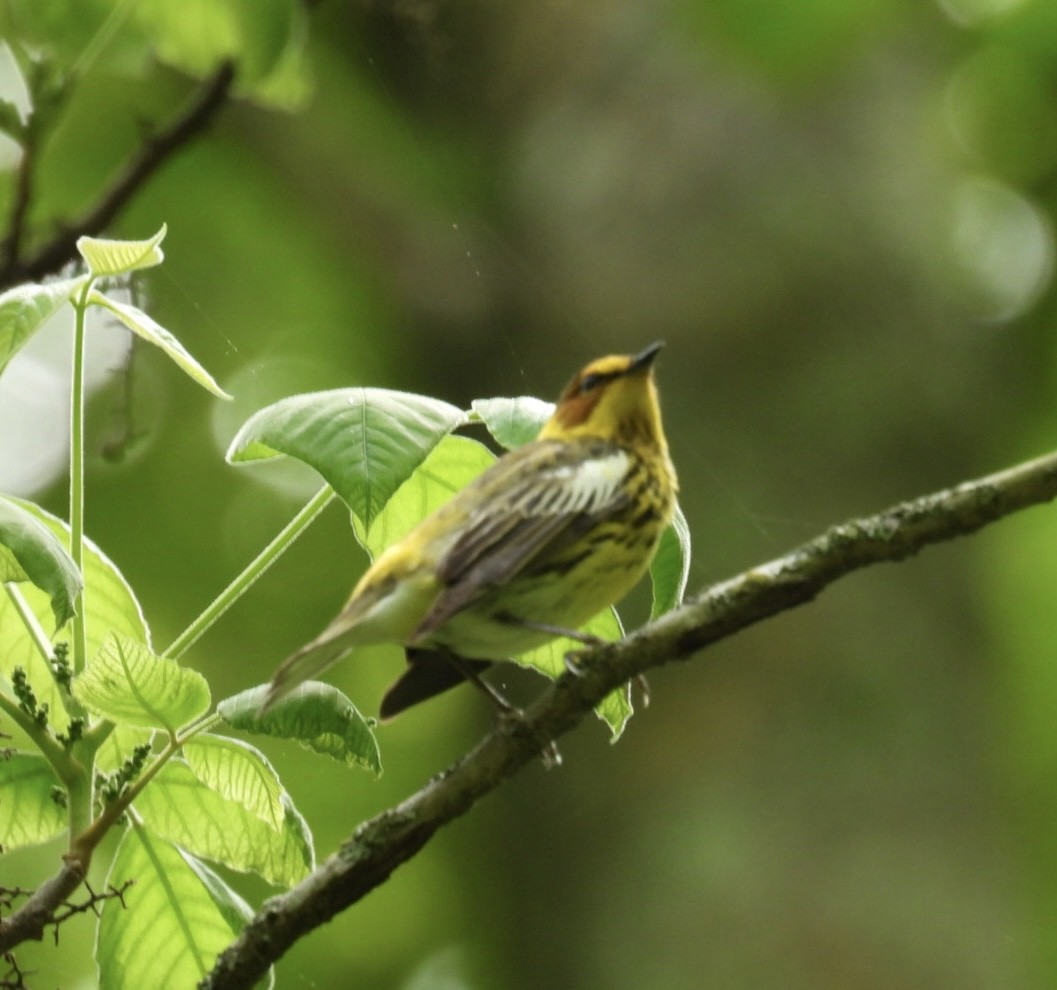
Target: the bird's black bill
(646, 357)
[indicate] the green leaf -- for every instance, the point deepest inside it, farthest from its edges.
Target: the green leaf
(670, 567)
(108, 604)
(177, 917)
(317, 715)
(234, 910)
(239, 772)
(450, 466)
(105, 257)
(615, 708)
(513, 422)
(181, 808)
(29, 551)
(28, 814)
(128, 684)
(150, 330)
(364, 441)
(26, 308)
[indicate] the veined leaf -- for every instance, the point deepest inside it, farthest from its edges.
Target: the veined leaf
(24, 309)
(450, 466)
(513, 422)
(108, 603)
(28, 814)
(238, 772)
(670, 567)
(232, 907)
(316, 715)
(105, 257)
(29, 551)
(177, 917)
(150, 330)
(364, 441)
(182, 809)
(128, 684)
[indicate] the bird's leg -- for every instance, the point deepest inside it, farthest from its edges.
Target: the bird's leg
(570, 658)
(550, 754)
(467, 671)
(545, 627)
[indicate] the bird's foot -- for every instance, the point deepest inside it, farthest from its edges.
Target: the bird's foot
(573, 660)
(644, 689)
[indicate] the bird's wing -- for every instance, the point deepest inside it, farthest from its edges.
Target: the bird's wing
(550, 501)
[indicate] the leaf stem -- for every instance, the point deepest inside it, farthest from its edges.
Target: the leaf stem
(80, 639)
(268, 556)
(201, 724)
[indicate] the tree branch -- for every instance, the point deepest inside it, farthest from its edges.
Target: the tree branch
(155, 151)
(378, 846)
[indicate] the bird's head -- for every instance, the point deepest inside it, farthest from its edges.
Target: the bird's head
(613, 398)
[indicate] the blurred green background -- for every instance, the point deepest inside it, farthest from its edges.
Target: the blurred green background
(840, 216)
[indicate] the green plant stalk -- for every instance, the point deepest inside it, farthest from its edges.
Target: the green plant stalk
(80, 638)
(256, 568)
(80, 796)
(91, 833)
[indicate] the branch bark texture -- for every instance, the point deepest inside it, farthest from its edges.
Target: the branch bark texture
(378, 846)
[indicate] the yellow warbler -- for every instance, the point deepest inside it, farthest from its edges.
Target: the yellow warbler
(546, 538)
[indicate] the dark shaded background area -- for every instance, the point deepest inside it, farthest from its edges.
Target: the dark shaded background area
(840, 217)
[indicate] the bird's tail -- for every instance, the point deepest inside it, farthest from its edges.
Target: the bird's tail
(428, 673)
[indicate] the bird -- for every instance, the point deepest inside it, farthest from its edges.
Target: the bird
(548, 536)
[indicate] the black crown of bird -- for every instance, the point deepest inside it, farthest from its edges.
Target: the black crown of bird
(550, 535)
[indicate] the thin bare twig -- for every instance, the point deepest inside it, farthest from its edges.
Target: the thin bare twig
(31, 920)
(154, 152)
(69, 908)
(380, 845)
(13, 978)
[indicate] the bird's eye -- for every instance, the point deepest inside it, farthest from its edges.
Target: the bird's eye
(589, 382)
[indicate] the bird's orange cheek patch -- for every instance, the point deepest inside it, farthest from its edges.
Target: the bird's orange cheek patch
(575, 410)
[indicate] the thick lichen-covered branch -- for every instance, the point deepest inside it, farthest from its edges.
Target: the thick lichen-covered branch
(380, 845)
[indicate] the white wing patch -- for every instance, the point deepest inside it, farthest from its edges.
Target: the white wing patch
(584, 487)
